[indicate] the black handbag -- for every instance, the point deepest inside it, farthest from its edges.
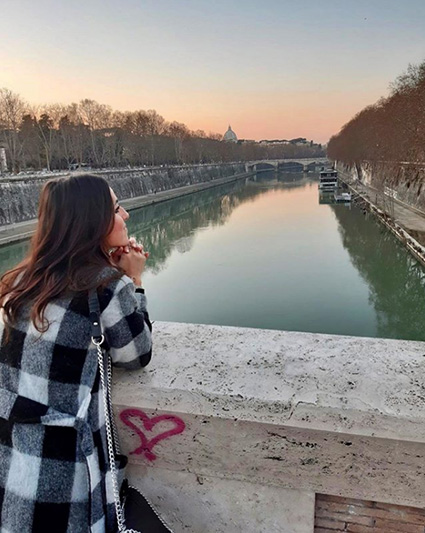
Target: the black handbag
(134, 513)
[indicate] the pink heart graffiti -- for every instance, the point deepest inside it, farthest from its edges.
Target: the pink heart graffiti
(148, 423)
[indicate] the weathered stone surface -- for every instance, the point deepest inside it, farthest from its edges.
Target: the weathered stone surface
(19, 195)
(316, 413)
(195, 504)
(402, 180)
(278, 377)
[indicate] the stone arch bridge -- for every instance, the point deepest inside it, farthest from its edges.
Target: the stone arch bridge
(301, 164)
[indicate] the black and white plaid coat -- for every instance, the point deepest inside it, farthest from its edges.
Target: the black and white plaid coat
(53, 459)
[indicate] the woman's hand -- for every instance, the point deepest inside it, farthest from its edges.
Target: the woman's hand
(137, 246)
(132, 259)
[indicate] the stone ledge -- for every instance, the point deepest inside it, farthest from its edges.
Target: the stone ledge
(316, 413)
(365, 386)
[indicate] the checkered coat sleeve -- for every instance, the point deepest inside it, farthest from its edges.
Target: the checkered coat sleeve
(53, 459)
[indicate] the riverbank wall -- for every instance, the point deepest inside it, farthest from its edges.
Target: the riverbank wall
(402, 181)
(19, 195)
(238, 429)
(404, 220)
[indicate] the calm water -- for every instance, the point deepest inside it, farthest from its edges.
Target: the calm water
(266, 254)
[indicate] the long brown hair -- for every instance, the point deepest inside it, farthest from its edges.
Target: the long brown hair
(67, 251)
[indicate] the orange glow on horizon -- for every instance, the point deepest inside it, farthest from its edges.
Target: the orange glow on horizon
(278, 72)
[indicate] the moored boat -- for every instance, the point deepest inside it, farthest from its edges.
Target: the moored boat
(328, 179)
(342, 197)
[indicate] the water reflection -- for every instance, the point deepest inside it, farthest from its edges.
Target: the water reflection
(293, 178)
(396, 280)
(11, 254)
(172, 225)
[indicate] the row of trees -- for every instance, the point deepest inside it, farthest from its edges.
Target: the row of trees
(89, 133)
(392, 130)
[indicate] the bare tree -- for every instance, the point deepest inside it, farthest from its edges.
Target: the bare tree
(29, 139)
(60, 136)
(179, 132)
(156, 124)
(12, 110)
(97, 117)
(392, 130)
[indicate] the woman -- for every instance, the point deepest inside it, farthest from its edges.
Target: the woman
(53, 455)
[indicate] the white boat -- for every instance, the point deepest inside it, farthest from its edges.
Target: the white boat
(342, 197)
(328, 179)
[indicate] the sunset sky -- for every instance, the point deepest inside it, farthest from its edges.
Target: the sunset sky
(270, 68)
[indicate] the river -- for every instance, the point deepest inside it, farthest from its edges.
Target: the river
(264, 253)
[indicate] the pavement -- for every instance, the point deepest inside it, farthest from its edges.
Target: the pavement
(21, 231)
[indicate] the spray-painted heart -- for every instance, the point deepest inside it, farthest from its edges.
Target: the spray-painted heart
(148, 423)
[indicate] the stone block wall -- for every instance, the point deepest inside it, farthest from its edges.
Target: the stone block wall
(405, 180)
(19, 195)
(226, 417)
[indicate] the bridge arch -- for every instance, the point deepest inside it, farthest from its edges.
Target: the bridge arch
(291, 166)
(266, 165)
(261, 165)
(283, 164)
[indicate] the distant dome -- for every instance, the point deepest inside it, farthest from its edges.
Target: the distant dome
(230, 136)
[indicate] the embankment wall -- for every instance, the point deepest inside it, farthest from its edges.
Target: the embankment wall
(404, 180)
(19, 196)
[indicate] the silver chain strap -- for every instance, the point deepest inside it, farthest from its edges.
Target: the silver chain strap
(111, 412)
(111, 433)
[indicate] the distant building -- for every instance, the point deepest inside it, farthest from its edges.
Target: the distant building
(230, 136)
(299, 141)
(275, 142)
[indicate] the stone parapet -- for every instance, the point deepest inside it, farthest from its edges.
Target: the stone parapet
(296, 411)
